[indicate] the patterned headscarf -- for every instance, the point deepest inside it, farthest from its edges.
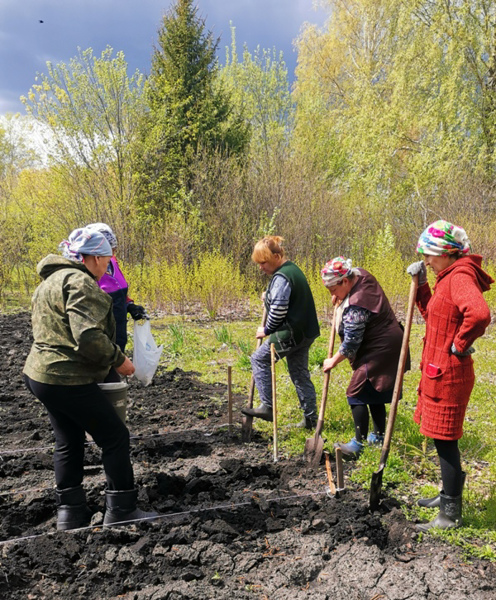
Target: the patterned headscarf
(442, 238)
(106, 230)
(85, 241)
(337, 269)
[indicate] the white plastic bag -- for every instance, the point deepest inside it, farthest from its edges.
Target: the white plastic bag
(146, 355)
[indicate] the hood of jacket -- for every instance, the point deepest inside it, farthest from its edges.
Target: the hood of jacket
(470, 264)
(53, 262)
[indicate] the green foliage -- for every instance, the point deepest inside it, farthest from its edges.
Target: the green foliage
(259, 88)
(91, 109)
(223, 335)
(212, 281)
(218, 282)
(178, 336)
(384, 261)
(246, 349)
(395, 106)
(316, 356)
(188, 110)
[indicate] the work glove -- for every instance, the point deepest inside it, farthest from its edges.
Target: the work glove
(418, 268)
(454, 351)
(136, 311)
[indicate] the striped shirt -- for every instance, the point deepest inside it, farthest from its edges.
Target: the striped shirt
(280, 292)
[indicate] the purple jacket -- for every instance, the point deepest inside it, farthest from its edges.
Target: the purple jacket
(114, 283)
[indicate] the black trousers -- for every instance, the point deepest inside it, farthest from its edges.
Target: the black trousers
(451, 467)
(73, 410)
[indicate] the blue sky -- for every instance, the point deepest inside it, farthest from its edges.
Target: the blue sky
(131, 26)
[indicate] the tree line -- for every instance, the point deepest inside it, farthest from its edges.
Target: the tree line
(389, 125)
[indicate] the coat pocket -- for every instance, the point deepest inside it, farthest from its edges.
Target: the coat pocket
(432, 383)
(432, 371)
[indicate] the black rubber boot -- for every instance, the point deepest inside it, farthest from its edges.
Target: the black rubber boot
(261, 412)
(72, 510)
(121, 508)
(450, 514)
(307, 423)
(436, 501)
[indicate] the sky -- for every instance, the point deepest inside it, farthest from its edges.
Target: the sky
(130, 26)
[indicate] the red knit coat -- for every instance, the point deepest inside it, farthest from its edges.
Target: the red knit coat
(456, 313)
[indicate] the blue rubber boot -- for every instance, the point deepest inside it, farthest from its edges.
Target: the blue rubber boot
(351, 450)
(375, 439)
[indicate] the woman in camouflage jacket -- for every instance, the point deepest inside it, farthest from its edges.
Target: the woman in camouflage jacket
(73, 349)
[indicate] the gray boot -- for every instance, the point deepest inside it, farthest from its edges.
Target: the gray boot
(121, 508)
(436, 501)
(450, 514)
(261, 412)
(72, 510)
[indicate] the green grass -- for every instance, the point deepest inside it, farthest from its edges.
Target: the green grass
(412, 470)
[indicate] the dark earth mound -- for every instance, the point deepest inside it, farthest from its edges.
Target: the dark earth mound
(235, 524)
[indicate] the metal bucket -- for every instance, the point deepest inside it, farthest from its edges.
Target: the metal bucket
(117, 395)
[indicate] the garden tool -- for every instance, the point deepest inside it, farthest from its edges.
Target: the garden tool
(247, 420)
(315, 444)
(229, 399)
(332, 487)
(274, 399)
(376, 482)
(339, 472)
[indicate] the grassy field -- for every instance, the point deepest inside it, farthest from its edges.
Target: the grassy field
(210, 347)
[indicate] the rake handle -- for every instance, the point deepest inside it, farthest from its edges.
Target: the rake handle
(274, 397)
(400, 373)
(327, 377)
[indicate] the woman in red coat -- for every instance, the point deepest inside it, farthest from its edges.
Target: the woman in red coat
(455, 315)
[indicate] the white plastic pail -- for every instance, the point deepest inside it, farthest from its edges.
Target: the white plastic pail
(117, 394)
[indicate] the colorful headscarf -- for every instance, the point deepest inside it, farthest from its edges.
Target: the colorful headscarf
(85, 241)
(442, 238)
(337, 269)
(106, 230)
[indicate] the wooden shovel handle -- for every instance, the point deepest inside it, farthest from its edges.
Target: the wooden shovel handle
(327, 376)
(400, 373)
(274, 398)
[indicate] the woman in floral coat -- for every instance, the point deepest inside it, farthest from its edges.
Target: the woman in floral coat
(456, 315)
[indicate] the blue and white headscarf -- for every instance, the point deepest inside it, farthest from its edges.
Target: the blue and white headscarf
(106, 230)
(84, 241)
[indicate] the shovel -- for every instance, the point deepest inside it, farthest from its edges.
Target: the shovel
(247, 420)
(274, 398)
(376, 482)
(315, 445)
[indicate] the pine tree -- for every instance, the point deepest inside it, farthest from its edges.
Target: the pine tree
(189, 111)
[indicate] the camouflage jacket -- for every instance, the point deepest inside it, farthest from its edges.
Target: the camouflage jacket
(73, 326)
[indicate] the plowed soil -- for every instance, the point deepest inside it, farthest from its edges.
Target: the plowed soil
(235, 524)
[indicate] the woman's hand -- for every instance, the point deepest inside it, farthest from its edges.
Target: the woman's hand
(260, 333)
(126, 369)
(418, 268)
(262, 297)
(328, 364)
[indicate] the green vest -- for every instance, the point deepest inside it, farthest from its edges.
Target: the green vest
(301, 320)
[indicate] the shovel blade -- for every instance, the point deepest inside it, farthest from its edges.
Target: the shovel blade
(246, 427)
(376, 488)
(313, 451)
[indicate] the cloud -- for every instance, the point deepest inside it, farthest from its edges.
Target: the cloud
(130, 26)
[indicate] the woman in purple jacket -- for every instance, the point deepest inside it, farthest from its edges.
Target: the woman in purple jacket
(115, 284)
